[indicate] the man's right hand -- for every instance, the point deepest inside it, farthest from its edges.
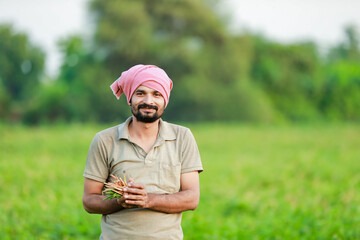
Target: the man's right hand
(94, 202)
(122, 203)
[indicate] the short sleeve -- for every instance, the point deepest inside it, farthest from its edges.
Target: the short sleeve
(96, 167)
(191, 160)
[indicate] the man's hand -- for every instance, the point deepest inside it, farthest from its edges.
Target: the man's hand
(121, 202)
(135, 195)
(93, 200)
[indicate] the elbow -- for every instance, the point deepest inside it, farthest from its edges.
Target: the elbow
(194, 204)
(88, 210)
(86, 205)
(193, 207)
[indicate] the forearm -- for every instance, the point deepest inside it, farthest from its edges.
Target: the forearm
(187, 199)
(173, 203)
(94, 203)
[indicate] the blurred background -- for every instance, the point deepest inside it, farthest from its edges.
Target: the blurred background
(270, 90)
(252, 61)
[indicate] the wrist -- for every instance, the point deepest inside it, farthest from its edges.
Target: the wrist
(119, 203)
(149, 201)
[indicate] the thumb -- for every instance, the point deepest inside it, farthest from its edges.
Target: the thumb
(131, 181)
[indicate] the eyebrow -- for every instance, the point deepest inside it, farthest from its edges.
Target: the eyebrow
(139, 90)
(143, 91)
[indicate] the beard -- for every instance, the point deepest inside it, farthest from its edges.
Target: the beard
(146, 117)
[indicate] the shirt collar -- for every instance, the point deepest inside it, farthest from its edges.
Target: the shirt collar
(165, 132)
(123, 129)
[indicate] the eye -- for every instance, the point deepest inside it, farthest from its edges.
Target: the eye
(157, 94)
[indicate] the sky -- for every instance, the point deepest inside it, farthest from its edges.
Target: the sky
(322, 21)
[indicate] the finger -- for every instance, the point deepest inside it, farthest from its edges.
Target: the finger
(135, 197)
(136, 185)
(125, 205)
(135, 191)
(121, 201)
(134, 188)
(130, 181)
(140, 204)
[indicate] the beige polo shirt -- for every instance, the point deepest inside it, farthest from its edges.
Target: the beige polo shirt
(112, 152)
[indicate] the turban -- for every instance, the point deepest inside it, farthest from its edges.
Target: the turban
(147, 75)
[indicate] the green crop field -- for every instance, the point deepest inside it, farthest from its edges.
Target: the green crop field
(260, 182)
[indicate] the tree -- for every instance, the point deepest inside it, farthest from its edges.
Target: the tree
(190, 42)
(88, 95)
(290, 75)
(349, 49)
(340, 98)
(21, 63)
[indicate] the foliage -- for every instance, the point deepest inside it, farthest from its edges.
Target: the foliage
(340, 94)
(218, 75)
(21, 63)
(349, 49)
(289, 72)
(259, 182)
(182, 37)
(21, 68)
(89, 95)
(340, 98)
(4, 101)
(48, 105)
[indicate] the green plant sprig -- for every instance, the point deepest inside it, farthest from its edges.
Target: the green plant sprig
(114, 188)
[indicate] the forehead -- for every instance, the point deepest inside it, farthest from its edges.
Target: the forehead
(145, 89)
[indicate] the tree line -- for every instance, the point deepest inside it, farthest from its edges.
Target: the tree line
(218, 75)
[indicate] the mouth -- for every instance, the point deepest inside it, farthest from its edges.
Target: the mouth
(147, 108)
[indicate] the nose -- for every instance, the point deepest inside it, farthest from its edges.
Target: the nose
(148, 99)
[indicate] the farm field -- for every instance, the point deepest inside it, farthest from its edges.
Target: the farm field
(260, 182)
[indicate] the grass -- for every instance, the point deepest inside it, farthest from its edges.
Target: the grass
(260, 182)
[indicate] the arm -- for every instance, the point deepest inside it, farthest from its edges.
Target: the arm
(186, 199)
(93, 199)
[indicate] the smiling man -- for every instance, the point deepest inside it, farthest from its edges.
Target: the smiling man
(149, 113)
(162, 160)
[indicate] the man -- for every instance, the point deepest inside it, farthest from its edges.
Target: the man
(162, 160)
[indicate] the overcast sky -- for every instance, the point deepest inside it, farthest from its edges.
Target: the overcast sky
(322, 21)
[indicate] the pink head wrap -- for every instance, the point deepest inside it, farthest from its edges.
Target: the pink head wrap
(149, 76)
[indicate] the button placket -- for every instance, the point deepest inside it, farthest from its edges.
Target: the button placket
(142, 151)
(148, 159)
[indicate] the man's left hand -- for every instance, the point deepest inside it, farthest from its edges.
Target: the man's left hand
(135, 195)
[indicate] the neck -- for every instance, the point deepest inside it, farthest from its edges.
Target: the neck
(143, 130)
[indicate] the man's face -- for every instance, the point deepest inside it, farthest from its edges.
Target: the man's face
(147, 105)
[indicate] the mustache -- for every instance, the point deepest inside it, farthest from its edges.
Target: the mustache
(144, 105)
